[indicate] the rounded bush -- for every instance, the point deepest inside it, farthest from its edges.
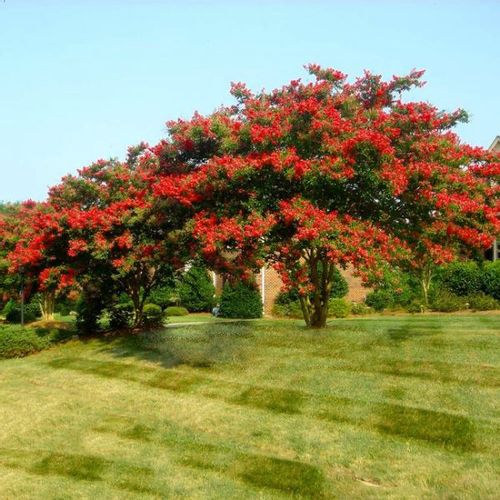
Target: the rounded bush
(176, 311)
(461, 278)
(339, 308)
(240, 300)
(360, 308)
(152, 316)
(490, 279)
(379, 300)
(12, 311)
(482, 302)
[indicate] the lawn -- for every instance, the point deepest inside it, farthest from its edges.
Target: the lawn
(386, 407)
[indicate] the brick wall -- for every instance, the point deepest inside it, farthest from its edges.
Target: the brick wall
(273, 284)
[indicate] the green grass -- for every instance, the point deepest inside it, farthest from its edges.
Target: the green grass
(195, 318)
(383, 407)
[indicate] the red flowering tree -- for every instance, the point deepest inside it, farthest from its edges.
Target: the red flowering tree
(26, 233)
(329, 173)
(113, 233)
(101, 231)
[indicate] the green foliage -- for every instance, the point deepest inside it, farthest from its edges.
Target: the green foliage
(448, 302)
(16, 341)
(176, 311)
(89, 309)
(490, 279)
(340, 288)
(152, 316)
(284, 298)
(12, 312)
(380, 300)
(65, 306)
(163, 296)
(359, 308)
(483, 302)
(415, 306)
(240, 300)
(121, 315)
(289, 310)
(196, 290)
(460, 278)
(339, 308)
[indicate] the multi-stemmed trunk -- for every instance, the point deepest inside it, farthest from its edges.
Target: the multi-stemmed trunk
(47, 305)
(315, 305)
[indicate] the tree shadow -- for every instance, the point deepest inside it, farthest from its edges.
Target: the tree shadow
(196, 346)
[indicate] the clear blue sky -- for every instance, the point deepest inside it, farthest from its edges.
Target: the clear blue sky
(82, 80)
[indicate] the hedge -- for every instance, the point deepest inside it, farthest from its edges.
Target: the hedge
(16, 341)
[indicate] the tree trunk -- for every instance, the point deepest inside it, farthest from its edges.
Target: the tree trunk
(321, 273)
(425, 282)
(47, 305)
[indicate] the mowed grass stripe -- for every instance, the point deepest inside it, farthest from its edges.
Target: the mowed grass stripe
(238, 412)
(437, 427)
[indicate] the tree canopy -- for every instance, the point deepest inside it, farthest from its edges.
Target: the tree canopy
(311, 177)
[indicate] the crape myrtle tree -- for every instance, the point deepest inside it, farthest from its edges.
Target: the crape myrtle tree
(100, 231)
(116, 239)
(326, 174)
(25, 234)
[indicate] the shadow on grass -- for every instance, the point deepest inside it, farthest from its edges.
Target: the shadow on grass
(434, 427)
(193, 355)
(439, 428)
(198, 346)
(189, 449)
(90, 468)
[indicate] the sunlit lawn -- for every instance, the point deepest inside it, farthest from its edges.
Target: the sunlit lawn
(388, 407)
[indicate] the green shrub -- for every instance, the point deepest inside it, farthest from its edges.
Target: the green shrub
(379, 300)
(460, 278)
(448, 302)
(164, 297)
(64, 306)
(340, 288)
(288, 297)
(176, 311)
(483, 302)
(89, 309)
(338, 308)
(121, 315)
(16, 341)
(12, 311)
(360, 308)
(490, 279)
(289, 310)
(196, 290)
(415, 306)
(152, 316)
(240, 300)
